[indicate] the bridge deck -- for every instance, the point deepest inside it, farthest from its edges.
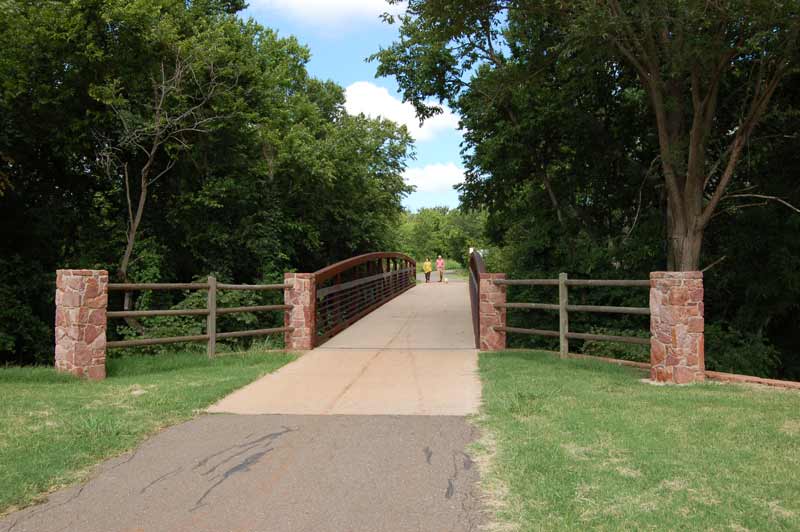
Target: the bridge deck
(413, 356)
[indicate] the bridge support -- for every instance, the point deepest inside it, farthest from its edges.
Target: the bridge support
(677, 350)
(81, 301)
(491, 316)
(302, 317)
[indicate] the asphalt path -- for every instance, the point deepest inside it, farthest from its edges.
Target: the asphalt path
(276, 473)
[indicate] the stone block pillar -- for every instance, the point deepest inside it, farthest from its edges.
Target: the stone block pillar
(302, 296)
(490, 316)
(677, 350)
(81, 302)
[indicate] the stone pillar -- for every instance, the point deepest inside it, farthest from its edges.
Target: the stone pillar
(302, 296)
(489, 315)
(677, 351)
(81, 301)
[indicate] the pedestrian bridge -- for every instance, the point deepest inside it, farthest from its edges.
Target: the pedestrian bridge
(412, 355)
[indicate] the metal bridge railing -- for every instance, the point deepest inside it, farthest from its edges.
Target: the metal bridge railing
(349, 290)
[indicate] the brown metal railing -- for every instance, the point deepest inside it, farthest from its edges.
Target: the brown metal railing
(564, 308)
(476, 268)
(349, 290)
(210, 312)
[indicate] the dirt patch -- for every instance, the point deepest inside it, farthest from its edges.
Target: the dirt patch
(779, 511)
(495, 492)
(791, 427)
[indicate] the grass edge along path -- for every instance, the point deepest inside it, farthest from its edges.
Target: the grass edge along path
(55, 428)
(581, 444)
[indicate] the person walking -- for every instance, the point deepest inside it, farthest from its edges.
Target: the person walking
(427, 268)
(440, 268)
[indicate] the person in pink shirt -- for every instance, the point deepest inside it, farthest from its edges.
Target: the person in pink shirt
(440, 267)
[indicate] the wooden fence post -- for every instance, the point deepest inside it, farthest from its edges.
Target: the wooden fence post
(563, 317)
(211, 321)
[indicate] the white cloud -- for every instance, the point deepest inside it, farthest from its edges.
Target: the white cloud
(373, 101)
(328, 11)
(434, 177)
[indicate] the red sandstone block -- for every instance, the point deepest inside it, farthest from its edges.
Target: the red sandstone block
(673, 358)
(91, 332)
(663, 333)
(97, 317)
(661, 374)
(696, 325)
(678, 296)
(100, 301)
(61, 317)
(83, 354)
(93, 288)
(486, 308)
(685, 375)
(69, 299)
(696, 295)
(74, 282)
(657, 352)
(682, 375)
(97, 372)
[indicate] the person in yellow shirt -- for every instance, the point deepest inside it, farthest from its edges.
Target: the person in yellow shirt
(427, 267)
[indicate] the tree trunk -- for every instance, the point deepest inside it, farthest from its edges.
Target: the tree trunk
(684, 233)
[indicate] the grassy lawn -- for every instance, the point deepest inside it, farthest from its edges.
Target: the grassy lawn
(54, 427)
(575, 444)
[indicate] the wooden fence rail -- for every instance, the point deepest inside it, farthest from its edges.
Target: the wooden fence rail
(210, 312)
(564, 308)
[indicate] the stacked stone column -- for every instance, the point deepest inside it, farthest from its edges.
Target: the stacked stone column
(81, 302)
(302, 317)
(490, 316)
(677, 351)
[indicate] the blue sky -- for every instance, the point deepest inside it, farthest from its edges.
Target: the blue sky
(340, 35)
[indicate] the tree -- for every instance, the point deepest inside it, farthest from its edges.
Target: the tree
(262, 170)
(690, 58)
(153, 130)
(709, 71)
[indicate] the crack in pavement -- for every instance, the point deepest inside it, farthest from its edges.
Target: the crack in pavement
(242, 467)
(271, 436)
(265, 442)
(467, 465)
(162, 477)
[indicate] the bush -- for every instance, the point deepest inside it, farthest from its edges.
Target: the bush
(733, 351)
(618, 350)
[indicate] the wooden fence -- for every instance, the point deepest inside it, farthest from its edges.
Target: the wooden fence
(564, 308)
(210, 312)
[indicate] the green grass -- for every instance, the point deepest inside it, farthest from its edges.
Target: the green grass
(577, 444)
(54, 427)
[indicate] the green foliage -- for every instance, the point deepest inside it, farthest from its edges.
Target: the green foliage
(621, 351)
(733, 351)
(431, 232)
(562, 153)
(278, 176)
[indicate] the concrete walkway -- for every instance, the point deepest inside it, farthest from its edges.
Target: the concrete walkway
(413, 356)
(412, 361)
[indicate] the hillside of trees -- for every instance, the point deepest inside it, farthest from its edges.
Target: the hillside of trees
(610, 139)
(166, 140)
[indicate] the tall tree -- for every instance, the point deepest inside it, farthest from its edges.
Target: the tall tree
(709, 71)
